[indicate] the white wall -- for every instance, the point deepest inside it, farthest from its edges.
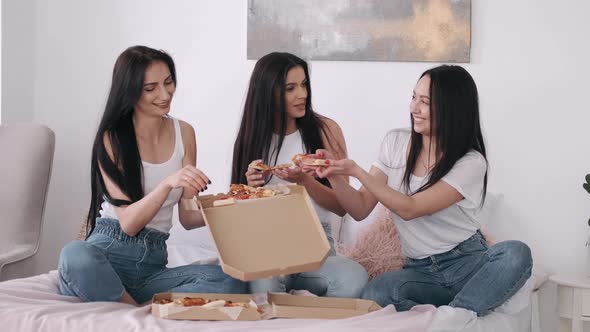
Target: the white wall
(0, 61)
(529, 59)
(18, 45)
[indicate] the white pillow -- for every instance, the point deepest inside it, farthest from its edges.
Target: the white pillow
(190, 247)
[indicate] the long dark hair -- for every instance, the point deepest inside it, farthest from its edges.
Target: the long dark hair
(454, 113)
(262, 109)
(125, 169)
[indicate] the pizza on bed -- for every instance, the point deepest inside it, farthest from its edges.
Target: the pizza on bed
(205, 303)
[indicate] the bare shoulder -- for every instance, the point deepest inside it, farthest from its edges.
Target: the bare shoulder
(187, 131)
(333, 137)
(330, 124)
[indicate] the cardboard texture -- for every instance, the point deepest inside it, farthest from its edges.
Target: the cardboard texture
(291, 306)
(266, 237)
(279, 306)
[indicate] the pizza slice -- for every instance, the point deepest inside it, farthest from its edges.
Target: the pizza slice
(205, 303)
(281, 166)
(259, 165)
(309, 160)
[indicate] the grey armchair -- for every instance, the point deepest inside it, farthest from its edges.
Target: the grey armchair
(26, 158)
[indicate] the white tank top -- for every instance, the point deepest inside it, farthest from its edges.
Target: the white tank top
(153, 174)
(292, 145)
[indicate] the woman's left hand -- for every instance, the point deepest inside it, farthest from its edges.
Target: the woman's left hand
(346, 167)
(294, 175)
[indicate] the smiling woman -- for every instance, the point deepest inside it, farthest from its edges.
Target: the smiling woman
(279, 123)
(433, 179)
(143, 163)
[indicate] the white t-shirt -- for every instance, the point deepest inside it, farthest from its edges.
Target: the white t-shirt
(443, 230)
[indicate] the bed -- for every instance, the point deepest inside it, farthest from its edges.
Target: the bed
(34, 304)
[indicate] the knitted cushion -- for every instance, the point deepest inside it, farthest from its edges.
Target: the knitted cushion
(377, 247)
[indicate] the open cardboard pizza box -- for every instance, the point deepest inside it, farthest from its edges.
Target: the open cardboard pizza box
(172, 311)
(291, 306)
(261, 238)
(274, 306)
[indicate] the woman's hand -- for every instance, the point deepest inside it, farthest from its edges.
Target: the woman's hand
(309, 170)
(294, 175)
(323, 154)
(319, 154)
(190, 178)
(344, 167)
(256, 177)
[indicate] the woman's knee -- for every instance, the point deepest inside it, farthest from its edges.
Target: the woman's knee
(77, 267)
(347, 277)
(516, 254)
(76, 256)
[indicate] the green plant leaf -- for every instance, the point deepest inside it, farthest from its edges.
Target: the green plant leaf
(587, 187)
(587, 178)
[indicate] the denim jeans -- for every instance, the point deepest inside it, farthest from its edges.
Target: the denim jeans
(337, 277)
(470, 276)
(110, 262)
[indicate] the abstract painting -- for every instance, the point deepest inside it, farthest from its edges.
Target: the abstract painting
(361, 30)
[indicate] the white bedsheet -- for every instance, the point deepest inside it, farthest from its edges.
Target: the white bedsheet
(512, 316)
(33, 304)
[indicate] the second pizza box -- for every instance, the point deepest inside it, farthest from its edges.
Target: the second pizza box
(291, 306)
(261, 238)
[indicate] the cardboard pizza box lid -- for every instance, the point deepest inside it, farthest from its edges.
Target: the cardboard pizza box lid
(293, 306)
(199, 313)
(266, 237)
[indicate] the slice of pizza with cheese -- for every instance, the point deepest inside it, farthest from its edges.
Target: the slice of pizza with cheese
(309, 160)
(259, 165)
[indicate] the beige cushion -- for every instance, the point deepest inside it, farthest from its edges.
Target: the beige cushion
(25, 167)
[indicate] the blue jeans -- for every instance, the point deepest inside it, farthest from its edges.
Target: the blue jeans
(470, 276)
(338, 277)
(110, 262)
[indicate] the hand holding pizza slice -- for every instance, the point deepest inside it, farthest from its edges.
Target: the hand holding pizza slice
(259, 165)
(258, 171)
(309, 160)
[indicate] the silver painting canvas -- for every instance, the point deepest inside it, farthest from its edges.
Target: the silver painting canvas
(361, 30)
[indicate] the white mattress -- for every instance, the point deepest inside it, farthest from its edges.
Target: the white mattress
(34, 304)
(512, 316)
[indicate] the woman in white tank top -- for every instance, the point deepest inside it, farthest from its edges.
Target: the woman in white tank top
(143, 162)
(278, 122)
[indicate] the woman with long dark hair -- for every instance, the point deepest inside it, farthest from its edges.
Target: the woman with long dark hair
(278, 122)
(143, 163)
(433, 179)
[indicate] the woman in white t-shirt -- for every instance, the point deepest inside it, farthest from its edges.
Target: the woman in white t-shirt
(279, 122)
(433, 179)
